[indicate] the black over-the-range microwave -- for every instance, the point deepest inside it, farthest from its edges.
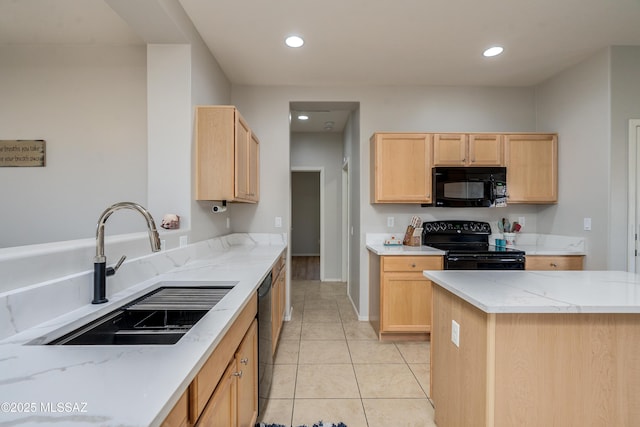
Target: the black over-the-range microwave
(469, 187)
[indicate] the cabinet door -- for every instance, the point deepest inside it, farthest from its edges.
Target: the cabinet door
(254, 168)
(215, 161)
(221, 408)
(247, 365)
(532, 168)
(406, 303)
(449, 149)
(400, 168)
(485, 150)
(243, 134)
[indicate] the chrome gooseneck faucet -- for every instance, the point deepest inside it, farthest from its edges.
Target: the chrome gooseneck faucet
(100, 270)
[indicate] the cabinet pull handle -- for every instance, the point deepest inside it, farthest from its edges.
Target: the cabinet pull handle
(244, 361)
(238, 374)
(553, 264)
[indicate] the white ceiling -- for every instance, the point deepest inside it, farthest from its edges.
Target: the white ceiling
(359, 42)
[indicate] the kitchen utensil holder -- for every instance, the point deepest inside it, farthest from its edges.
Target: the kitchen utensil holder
(510, 238)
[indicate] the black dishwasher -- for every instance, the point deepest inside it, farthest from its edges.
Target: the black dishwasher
(265, 355)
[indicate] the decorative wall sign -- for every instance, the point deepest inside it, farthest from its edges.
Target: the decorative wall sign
(22, 153)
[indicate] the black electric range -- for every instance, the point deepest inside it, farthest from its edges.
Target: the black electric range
(467, 247)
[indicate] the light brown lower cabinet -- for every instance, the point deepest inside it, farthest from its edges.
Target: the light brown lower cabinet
(401, 301)
(247, 378)
(225, 390)
(234, 402)
(560, 262)
(221, 410)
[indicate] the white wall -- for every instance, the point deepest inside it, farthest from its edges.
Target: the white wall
(92, 105)
(324, 150)
(381, 109)
(576, 104)
(89, 104)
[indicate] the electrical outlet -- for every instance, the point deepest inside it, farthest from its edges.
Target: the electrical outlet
(184, 241)
(521, 220)
(163, 244)
(278, 222)
(391, 221)
(455, 333)
(228, 222)
(587, 224)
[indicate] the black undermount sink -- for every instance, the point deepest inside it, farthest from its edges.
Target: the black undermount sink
(162, 316)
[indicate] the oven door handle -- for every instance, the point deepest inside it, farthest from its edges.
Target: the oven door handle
(472, 258)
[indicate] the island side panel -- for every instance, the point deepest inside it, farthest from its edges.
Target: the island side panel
(567, 369)
(459, 374)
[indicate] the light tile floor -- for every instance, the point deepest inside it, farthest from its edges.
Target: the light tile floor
(330, 367)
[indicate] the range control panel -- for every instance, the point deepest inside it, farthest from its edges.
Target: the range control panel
(456, 227)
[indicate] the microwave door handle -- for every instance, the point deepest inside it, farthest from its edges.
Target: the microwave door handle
(492, 191)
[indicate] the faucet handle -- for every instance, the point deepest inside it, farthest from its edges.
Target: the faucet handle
(112, 270)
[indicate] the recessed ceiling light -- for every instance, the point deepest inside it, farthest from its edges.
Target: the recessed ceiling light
(303, 117)
(493, 51)
(294, 41)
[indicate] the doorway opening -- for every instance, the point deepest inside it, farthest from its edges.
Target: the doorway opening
(633, 260)
(306, 223)
(322, 138)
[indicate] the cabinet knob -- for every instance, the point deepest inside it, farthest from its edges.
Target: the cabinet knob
(553, 264)
(413, 266)
(244, 361)
(238, 374)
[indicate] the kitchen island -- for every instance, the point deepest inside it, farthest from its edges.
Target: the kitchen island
(535, 348)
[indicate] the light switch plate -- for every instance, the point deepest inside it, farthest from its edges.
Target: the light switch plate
(391, 221)
(587, 224)
(278, 222)
(184, 241)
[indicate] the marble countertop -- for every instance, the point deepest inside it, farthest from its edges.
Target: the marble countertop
(544, 291)
(124, 385)
(381, 249)
(531, 244)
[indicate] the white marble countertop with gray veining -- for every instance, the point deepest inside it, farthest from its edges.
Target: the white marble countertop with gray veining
(543, 291)
(531, 244)
(125, 385)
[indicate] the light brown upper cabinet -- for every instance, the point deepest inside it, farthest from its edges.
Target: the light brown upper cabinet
(459, 149)
(532, 168)
(227, 156)
(401, 168)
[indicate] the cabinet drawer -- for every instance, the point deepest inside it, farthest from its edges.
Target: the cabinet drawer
(538, 262)
(411, 263)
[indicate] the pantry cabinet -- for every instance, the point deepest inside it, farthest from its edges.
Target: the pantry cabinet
(559, 262)
(402, 303)
(459, 149)
(532, 168)
(227, 156)
(401, 168)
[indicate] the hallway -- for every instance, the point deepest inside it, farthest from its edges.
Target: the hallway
(329, 366)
